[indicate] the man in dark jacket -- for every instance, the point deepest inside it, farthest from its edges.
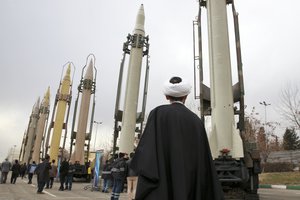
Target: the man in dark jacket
(42, 171)
(23, 170)
(106, 176)
(16, 168)
(69, 177)
(173, 158)
(118, 172)
(63, 171)
(52, 175)
(36, 171)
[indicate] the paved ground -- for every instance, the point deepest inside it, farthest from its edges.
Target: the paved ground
(279, 194)
(23, 191)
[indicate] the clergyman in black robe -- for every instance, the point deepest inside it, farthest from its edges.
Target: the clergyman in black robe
(173, 157)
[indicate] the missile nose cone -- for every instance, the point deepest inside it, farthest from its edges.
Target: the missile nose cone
(68, 73)
(47, 96)
(140, 21)
(48, 91)
(69, 70)
(36, 106)
(89, 71)
(38, 101)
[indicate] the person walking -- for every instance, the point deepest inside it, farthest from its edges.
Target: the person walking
(23, 170)
(118, 172)
(106, 176)
(30, 171)
(36, 171)
(5, 167)
(16, 168)
(43, 173)
(69, 177)
(124, 185)
(131, 179)
(63, 171)
(173, 158)
(52, 175)
(90, 172)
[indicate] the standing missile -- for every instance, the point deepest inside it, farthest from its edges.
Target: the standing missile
(22, 149)
(31, 132)
(87, 90)
(132, 86)
(40, 130)
(224, 134)
(63, 99)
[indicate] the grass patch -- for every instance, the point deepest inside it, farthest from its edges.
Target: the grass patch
(282, 178)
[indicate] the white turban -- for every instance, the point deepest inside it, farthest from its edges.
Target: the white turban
(177, 89)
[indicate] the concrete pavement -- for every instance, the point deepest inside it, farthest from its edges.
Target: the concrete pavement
(23, 191)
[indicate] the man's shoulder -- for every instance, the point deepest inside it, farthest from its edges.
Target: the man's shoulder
(164, 106)
(173, 108)
(161, 108)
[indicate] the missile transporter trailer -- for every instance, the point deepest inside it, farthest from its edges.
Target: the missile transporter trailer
(81, 138)
(236, 156)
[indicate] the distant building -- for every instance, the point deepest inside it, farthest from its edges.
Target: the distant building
(285, 156)
(13, 153)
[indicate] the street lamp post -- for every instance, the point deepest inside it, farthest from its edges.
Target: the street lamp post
(97, 123)
(13, 152)
(265, 105)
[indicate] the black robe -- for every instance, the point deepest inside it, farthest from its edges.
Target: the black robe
(173, 158)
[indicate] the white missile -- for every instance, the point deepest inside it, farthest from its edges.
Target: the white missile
(41, 124)
(224, 134)
(83, 114)
(132, 86)
(31, 131)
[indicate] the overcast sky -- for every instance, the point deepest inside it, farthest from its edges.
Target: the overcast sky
(38, 37)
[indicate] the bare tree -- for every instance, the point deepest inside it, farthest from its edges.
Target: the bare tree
(290, 105)
(262, 142)
(265, 141)
(255, 131)
(252, 125)
(275, 144)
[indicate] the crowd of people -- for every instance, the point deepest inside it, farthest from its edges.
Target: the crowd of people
(117, 174)
(114, 174)
(16, 171)
(45, 172)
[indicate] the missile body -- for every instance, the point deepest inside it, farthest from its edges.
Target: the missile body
(63, 97)
(224, 134)
(22, 150)
(31, 132)
(132, 86)
(43, 116)
(83, 115)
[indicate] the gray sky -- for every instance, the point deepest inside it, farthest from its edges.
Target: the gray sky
(38, 37)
